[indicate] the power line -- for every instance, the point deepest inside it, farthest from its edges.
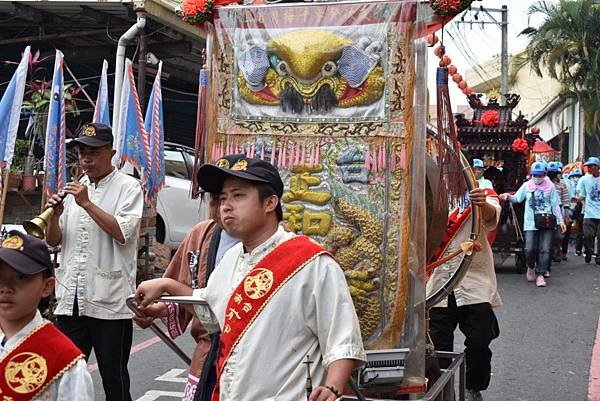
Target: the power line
(461, 49)
(489, 19)
(476, 65)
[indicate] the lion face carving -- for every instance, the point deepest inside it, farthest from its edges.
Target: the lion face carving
(311, 71)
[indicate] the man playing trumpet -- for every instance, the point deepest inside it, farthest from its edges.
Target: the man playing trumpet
(97, 230)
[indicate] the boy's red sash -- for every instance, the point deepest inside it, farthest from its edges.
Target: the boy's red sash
(36, 362)
(258, 288)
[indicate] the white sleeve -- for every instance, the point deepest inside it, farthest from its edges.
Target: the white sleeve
(333, 315)
(75, 384)
(495, 202)
(204, 314)
(129, 211)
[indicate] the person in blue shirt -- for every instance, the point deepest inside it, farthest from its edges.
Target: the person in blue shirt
(478, 168)
(562, 176)
(554, 173)
(588, 191)
(540, 198)
(576, 211)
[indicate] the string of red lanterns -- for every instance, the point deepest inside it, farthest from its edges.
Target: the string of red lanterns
(446, 61)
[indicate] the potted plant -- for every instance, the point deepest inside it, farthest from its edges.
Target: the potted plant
(15, 174)
(37, 100)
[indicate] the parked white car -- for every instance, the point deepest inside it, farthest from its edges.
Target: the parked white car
(176, 211)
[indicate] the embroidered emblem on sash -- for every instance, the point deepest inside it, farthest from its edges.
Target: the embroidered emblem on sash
(26, 372)
(258, 283)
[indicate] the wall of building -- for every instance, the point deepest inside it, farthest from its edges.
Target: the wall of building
(536, 92)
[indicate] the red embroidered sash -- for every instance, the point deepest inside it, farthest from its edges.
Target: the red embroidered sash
(258, 288)
(36, 362)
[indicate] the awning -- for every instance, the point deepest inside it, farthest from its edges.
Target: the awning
(554, 119)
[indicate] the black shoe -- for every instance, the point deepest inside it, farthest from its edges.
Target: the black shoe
(556, 259)
(588, 258)
(598, 261)
(578, 253)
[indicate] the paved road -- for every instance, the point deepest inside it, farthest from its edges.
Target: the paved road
(547, 334)
(542, 354)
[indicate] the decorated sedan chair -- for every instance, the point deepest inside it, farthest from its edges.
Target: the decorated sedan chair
(334, 96)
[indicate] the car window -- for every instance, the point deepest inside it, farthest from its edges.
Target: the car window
(189, 156)
(175, 164)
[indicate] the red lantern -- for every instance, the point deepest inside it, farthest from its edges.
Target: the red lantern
(462, 85)
(457, 78)
(467, 91)
(438, 51)
(446, 60)
(432, 39)
(452, 69)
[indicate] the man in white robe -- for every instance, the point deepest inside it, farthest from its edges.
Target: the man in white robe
(310, 317)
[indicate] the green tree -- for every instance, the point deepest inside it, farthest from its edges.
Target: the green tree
(567, 46)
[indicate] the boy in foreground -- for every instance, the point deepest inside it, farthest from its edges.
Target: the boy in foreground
(37, 361)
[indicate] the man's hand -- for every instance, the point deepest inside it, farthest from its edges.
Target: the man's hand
(563, 228)
(55, 201)
(79, 191)
(149, 291)
(152, 312)
(503, 197)
(478, 196)
(322, 393)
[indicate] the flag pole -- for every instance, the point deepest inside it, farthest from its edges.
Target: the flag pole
(78, 84)
(4, 191)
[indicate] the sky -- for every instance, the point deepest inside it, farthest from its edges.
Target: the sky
(471, 45)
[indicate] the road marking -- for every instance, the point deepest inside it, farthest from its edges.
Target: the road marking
(153, 395)
(143, 345)
(594, 386)
(173, 376)
(136, 348)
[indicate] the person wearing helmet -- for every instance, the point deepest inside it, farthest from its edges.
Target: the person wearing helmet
(554, 171)
(542, 214)
(561, 174)
(576, 216)
(588, 191)
(478, 168)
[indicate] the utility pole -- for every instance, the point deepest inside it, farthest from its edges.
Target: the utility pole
(504, 55)
(503, 25)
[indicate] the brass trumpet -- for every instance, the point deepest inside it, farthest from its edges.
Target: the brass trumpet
(37, 226)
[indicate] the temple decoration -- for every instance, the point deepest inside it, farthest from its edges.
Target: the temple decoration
(446, 61)
(312, 71)
(490, 118)
(520, 145)
(196, 12)
(492, 135)
(326, 95)
(449, 8)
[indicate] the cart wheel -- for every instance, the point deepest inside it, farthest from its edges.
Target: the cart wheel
(520, 263)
